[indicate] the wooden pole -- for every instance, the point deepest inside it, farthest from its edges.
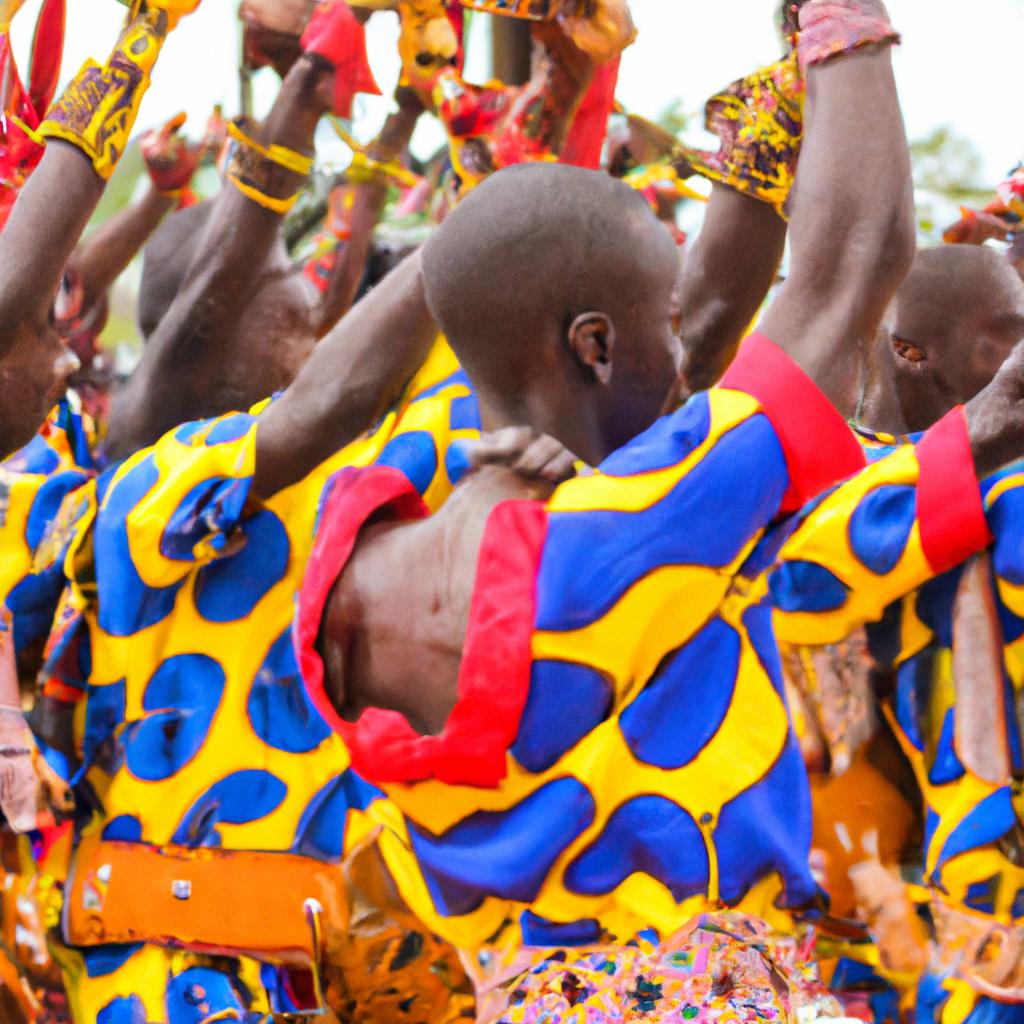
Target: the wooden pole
(511, 47)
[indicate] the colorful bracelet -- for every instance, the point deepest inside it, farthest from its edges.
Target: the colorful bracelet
(289, 159)
(271, 203)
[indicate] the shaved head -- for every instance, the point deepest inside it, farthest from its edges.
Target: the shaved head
(954, 321)
(529, 253)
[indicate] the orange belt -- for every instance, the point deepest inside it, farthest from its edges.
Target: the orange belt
(269, 906)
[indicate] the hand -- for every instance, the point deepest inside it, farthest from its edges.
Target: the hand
(335, 35)
(170, 160)
(975, 227)
(526, 452)
(31, 792)
(603, 32)
(995, 417)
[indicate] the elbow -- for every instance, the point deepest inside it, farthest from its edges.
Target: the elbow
(892, 249)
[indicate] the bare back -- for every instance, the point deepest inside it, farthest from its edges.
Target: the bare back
(395, 625)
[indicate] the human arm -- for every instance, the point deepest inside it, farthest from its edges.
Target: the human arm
(368, 203)
(182, 354)
(85, 141)
(852, 225)
(727, 273)
(171, 164)
(352, 377)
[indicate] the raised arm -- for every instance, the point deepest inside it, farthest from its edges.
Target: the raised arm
(86, 132)
(108, 250)
(732, 264)
(726, 275)
(852, 225)
(183, 352)
(370, 196)
(182, 355)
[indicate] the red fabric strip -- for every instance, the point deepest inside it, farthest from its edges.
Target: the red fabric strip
(585, 141)
(950, 511)
(355, 497)
(494, 680)
(819, 446)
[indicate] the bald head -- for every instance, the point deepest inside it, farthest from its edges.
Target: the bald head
(536, 245)
(963, 286)
(953, 322)
(532, 252)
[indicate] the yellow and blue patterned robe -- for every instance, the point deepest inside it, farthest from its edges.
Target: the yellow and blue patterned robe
(34, 482)
(621, 755)
(964, 816)
(194, 729)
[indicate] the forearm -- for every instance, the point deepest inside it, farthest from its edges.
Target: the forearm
(241, 230)
(49, 217)
(727, 273)
(367, 206)
(351, 263)
(354, 374)
(852, 228)
(104, 255)
(86, 137)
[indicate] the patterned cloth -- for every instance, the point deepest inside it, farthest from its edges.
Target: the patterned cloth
(195, 730)
(759, 120)
(969, 861)
(634, 763)
(33, 484)
(719, 968)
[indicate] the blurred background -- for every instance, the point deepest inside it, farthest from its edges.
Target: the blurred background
(954, 82)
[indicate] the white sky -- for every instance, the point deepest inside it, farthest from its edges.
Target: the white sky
(951, 68)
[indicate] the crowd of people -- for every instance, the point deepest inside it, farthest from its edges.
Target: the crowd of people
(535, 617)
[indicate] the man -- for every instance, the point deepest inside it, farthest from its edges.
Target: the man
(952, 644)
(511, 808)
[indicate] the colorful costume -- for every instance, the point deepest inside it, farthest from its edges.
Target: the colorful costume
(21, 148)
(760, 122)
(971, 823)
(635, 597)
(33, 484)
(199, 745)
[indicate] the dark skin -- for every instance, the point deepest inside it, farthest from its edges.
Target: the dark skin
(224, 338)
(826, 305)
(45, 226)
(367, 207)
(34, 247)
(105, 254)
(953, 323)
(187, 363)
(727, 272)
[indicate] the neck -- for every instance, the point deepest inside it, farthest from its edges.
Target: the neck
(574, 424)
(879, 407)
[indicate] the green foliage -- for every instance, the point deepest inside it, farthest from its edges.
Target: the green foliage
(949, 165)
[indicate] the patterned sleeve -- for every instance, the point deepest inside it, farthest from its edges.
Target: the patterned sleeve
(880, 535)
(158, 515)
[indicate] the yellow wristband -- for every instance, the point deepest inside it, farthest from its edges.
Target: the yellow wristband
(258, 197)
(280, 155)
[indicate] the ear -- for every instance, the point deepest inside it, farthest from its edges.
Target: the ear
(591, 338)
